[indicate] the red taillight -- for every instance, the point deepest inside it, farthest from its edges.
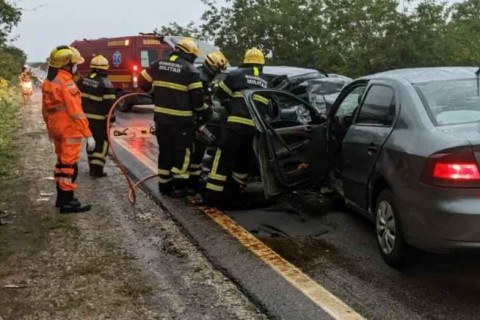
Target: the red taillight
(453, 168)
(456, 171)
(135, 68)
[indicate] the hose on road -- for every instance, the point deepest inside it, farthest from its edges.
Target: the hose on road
(132, 196)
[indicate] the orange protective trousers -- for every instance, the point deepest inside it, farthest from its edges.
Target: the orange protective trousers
(66, 124)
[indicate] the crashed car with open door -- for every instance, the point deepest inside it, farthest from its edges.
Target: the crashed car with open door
(296, 145)
(290, 142)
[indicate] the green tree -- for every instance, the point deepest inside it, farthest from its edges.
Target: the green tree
(174, 29)
(11, 62)
(462, 36)
(10, 15)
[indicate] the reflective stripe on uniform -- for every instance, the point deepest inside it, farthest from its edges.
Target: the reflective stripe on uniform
(174, 112)
(195, 85)
(163, 181)
(146, 75)
(214, 187)
(170, 85)
(239, 177)
(102, 155)
(91, 97)
(53, 110)
(183, 176)
(163, 172)
(237, 94)
(225, 88)
(186, 162)
(246, 121)
(95, 116)
(97, 162)
(202, 108)
(79, 116)
(213, 173)
(109, 97)
(74, 140)
(182, 173)
(260, 99)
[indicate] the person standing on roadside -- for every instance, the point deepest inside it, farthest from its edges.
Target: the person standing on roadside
(25, 80)
(98, 96)
(178, 96)
(66, 123)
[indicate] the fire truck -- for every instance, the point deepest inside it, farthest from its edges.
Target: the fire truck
(128, 56)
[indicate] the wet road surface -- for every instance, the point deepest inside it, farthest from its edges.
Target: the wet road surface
(337, 248)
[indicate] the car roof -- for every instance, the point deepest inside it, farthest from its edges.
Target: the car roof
(284, 70)
(419, 75)
(288, 71)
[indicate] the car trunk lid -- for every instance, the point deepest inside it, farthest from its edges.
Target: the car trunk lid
(469, 132)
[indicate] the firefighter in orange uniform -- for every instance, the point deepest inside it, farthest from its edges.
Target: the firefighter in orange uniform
(66, 123)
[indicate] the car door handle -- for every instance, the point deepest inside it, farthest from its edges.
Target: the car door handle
(372, 149)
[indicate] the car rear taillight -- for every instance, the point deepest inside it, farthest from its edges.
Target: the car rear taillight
(453, 168)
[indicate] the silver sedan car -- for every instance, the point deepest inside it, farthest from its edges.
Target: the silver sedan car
(402, 147)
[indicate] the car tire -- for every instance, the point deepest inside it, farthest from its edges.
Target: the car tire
(389, 232)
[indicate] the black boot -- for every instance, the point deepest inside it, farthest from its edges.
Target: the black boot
(194, 183)
(58, 202)
(97, 172)
(165, 188)
(180, 189)
(68, 204)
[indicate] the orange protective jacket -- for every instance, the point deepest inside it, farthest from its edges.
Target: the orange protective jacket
(62, 108)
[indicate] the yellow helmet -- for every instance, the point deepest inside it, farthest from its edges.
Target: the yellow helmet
(216, 61)
(99, 62)
(254, 56)
(188, 45)
(64, 55)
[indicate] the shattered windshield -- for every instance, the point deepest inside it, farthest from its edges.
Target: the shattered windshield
(451, 101)
(205, 48)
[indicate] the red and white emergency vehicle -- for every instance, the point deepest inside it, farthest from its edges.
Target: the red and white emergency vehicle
(128, 56)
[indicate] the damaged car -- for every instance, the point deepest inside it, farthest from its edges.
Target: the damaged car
(401, 147)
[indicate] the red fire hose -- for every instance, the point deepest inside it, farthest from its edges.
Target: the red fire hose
(132, 196)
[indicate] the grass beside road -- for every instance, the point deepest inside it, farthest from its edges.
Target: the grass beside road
(9, 103)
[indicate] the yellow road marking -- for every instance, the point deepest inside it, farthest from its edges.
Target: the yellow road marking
(311, 289)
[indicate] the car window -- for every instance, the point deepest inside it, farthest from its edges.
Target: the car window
(378, 107)
(283, 110)
(350, 102)
(451, 102)
(147, 57)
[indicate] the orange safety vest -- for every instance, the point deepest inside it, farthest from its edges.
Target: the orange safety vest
(62, 107)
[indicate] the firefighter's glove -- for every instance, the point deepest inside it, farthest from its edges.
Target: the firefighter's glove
(90, 144)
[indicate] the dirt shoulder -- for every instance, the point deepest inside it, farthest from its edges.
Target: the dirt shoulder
(116, 262)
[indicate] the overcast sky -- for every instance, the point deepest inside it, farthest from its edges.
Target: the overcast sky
(63, 21)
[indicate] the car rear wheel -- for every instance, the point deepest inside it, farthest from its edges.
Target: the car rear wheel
(389, 232)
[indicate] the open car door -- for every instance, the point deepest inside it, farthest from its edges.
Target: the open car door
(290, 141)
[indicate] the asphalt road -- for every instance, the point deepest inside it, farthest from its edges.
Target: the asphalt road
(336, 248)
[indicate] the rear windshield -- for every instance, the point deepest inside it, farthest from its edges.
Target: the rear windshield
(451, 102)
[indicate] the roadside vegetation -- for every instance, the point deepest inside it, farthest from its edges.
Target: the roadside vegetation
(11, 61)
(350, 37)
